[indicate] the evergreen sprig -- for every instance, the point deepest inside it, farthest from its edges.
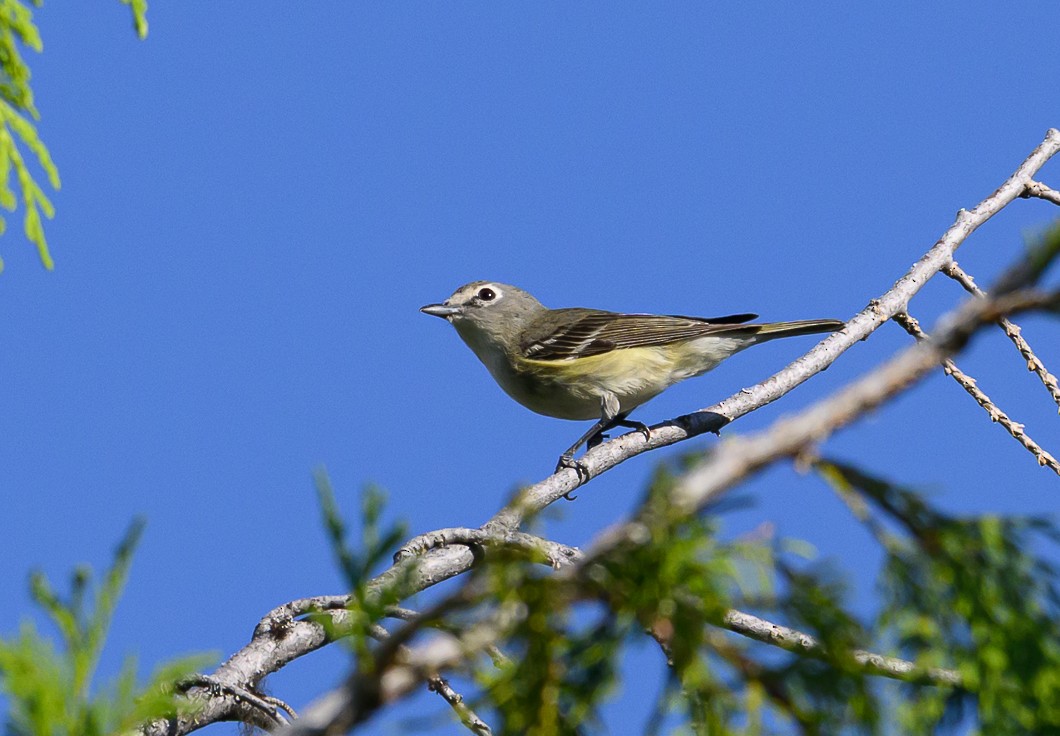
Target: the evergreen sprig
(18, 114)
(49, 688)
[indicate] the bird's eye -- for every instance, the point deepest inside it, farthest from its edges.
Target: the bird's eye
(486, 294)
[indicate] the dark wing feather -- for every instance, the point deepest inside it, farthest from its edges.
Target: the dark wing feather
(732, 319)
(563, 334)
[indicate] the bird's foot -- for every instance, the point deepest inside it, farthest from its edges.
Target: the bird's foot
(567, 460)
(643, 428)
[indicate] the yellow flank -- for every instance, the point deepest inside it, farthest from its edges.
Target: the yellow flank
(571, 389)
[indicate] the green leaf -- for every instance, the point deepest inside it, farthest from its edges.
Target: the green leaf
(139, 12)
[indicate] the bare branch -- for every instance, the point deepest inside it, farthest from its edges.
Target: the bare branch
(347, 705)
(740, 623)
(245, 705)
(798, 642)
(280, 704)
(912, 326)
(557, 554)
(1037, 189)
(1011, 329)
(740, 457)
(407, 614)
(437, 683)
(397, 676)
(467, 716)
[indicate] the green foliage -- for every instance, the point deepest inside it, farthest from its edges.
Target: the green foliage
(964, 594)
(829, 691)
(969, 593)
(50, 690)
(367, 605)
(16, 109)
(559, 668)
(375, 544)
(139, 12)
(17, 131)
(733, 685)
(677, 581)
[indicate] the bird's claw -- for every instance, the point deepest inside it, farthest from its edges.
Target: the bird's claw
(641, 427)
(568, 461)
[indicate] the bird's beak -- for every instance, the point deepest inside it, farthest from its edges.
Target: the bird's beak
(441, 310)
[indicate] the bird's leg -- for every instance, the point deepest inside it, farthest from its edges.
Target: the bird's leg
(609, 413)
(597, 438)
(566, 460)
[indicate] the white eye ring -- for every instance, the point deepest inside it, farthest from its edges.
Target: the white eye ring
(486, 294)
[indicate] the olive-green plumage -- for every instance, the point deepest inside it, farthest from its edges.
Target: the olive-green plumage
(591, 364)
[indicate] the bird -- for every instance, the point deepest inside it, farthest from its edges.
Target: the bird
(580, 364)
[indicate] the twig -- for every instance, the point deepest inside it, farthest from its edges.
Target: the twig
(280, 704)
(1037, 189)
(500, 659)
(773, 686)
(265, 704)
(557, 554)
(1011, 329)
(348, 705)
(395, 676)
(912, 326)
(799, 642)
(467, 716)
(436, 683)
(784, 637)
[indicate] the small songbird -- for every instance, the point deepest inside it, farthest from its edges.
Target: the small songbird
(590, 364)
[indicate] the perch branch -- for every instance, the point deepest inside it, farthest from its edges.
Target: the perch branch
(281, 637)
(713, 418)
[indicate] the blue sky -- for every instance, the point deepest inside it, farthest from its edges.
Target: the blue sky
(258, 198)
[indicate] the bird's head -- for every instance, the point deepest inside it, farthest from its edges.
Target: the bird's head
(487, 311)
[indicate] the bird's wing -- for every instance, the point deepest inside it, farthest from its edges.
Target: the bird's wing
(565, 334)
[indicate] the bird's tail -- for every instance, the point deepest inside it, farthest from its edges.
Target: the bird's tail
(773, 330)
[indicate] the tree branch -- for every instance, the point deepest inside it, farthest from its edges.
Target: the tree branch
(912, 326)
(871, 663)
(557, 554)
(281, 637)
(738, 458)
(713, 418)
(1039, 190)
(437, 683)
(467, 716)
(1011, 329)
